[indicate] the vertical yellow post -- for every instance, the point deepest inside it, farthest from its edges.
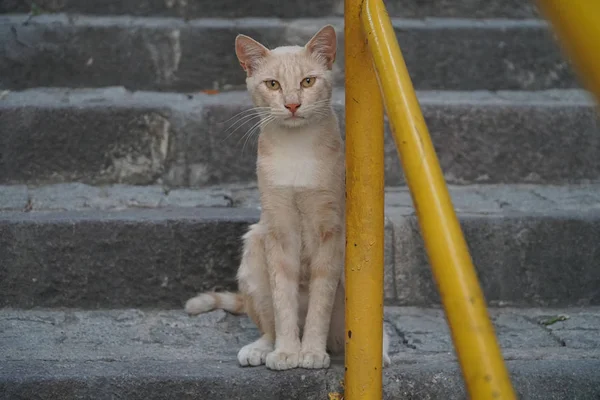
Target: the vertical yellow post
(577, 23)
(478, 351)
(364, 215)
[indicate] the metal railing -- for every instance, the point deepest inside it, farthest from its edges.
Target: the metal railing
(372, 52)
(375, 68)
(577, 25)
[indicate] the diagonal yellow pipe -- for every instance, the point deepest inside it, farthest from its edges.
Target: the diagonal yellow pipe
(577, 23)
(474, 339)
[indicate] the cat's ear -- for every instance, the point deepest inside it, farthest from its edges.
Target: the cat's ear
(249, 52)
(324, 45)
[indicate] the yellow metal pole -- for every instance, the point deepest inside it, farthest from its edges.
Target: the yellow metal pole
(364, 215)
(577, 23)
(478, 352)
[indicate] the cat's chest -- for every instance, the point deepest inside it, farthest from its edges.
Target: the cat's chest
(293, 164)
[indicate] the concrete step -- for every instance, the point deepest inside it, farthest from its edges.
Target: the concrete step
(150, 354)
(273, 8)
(170, 54)
(103, 136)
(89, 247)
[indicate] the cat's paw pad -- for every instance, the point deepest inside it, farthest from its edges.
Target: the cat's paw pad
(386, 360)
(253, 355)
(281, 360)
(314, 359)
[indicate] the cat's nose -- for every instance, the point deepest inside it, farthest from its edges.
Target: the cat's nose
(292, 107)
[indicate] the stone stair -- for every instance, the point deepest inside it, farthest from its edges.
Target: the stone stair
(125, 187)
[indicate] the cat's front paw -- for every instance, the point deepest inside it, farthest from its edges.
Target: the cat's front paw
(254, 354)
(386, 360)
(279, 360)
(314, 359)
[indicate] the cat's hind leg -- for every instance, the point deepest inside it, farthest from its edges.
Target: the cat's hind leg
(337, 329)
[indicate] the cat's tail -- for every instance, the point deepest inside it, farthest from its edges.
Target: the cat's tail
(205, 302)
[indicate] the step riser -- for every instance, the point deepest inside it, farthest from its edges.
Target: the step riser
(532, 380)
(98, 262)
(546, 260)
(159, 259)
(112, 136)
(274, 8)
(169, 54)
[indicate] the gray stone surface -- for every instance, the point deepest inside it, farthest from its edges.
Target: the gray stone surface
(533, 380)
(128, 246)
(13, 197)
(541, 259)
(79, 196)
(176, 55)
(107, 136)
(73, 196)
(273, 8)
(426, 330)
(139, 354)
(64, 143)
(529, 244)
(121, 259)
(471, 200)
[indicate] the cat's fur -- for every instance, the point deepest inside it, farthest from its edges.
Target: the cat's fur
(297, 247)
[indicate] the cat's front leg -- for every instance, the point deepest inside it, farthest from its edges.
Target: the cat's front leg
(253, 282)
(325, 275)
(283, 258)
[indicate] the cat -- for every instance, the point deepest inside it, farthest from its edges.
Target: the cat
(298, 245)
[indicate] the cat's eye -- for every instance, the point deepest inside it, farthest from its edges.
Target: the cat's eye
(273, 84)
(308, 82)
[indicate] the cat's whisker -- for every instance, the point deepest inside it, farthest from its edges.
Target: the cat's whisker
(321, 113)
(321, 102)
(247, 136)
(249, 120)
(249, 131)
(246, 117)
(318, 103)
(315, 106)
(256, 128)
(253, 109)
(262, 127)
(241, 122)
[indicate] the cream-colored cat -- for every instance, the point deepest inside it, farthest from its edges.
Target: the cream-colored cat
(291, 277)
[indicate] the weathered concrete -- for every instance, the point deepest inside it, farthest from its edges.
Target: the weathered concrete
(175, 55)
(98, 136)
(115, 136)
(484, 200)
(188, 9)
(77, 196)
(531, 245)
(121, 259)
(64, 141)
(13, 197)
(164, 354)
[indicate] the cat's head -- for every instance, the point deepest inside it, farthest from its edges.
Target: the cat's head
(293, 82)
